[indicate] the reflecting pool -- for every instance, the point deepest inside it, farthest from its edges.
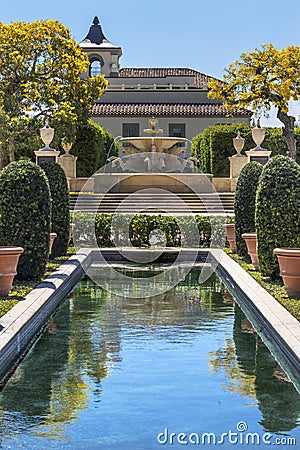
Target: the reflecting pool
(182, 369)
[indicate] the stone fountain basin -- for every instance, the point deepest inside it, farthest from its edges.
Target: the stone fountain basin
(162, 145)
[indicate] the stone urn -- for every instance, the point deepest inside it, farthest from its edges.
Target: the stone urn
(230, 235)
(9, 258)
(251, 239)
(289, 265)
(258, 135)
(52, 237)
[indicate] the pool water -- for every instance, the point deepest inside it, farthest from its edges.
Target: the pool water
(182, 369)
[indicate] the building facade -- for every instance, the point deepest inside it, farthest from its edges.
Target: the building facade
(177, 97)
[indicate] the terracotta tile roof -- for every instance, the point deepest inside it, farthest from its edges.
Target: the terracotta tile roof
(164, 109)
(149, 72)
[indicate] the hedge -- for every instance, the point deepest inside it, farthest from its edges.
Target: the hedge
(277, 211)
(25, 216)
(60, 217)
(214, 145)
(137, 228)
(244, 204)
(92, 146)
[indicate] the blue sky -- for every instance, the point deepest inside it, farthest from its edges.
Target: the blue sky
(202, 35)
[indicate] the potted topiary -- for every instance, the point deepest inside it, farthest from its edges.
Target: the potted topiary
(289, 266)
(25, 216)
(277, 211)
(9, 258)
(250, 239)
(230, 235)
(60, 215)
(244, 204)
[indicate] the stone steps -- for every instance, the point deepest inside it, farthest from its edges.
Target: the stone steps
(187, 203)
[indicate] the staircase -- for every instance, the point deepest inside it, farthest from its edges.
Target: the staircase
(177, 204)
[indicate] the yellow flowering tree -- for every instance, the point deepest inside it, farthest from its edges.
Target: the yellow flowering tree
(260, 79)
(40, 76)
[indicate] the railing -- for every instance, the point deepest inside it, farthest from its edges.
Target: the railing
(122, 87)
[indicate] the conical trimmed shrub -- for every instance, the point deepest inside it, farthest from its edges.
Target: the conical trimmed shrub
(25, 205)
(277, 211)
(244, 204)
(60, 217)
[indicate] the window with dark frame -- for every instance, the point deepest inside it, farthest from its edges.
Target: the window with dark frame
(130, 129)
(177, 129)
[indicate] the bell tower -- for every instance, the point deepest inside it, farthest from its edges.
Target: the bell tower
(103, 55)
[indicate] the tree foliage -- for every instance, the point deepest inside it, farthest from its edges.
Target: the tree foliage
(260, 79)
(40, 75)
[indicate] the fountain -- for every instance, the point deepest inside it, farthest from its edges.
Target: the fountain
(152, 161)
(154, 143)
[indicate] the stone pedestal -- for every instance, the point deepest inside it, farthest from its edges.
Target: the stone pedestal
(46, 154)
(68, 163)
(237, 162)
(260, 155)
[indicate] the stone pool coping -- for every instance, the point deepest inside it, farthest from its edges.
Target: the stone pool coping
(23, 323)
(20, 326)
(279, 329)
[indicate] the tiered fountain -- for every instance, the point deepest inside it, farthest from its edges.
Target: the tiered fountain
(152, 161)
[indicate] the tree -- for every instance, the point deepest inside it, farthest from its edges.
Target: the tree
(263, 78)
(40, 76)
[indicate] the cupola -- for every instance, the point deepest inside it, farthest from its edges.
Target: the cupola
(103, 55)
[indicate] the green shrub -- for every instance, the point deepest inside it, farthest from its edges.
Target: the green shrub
(25, 215)
(84, 228)
(60, 217)
(244, 204)
(103, 230)
(277, 211)
(91, 146)
(118, 229)
(214, 145)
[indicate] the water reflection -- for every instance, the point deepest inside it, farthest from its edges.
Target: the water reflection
(66, 371)
(250, 370)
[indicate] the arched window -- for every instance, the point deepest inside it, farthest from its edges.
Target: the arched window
(95, 68)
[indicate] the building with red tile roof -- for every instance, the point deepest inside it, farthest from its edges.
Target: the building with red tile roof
(177, 97)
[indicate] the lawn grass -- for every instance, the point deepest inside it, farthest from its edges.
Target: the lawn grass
(21, 288)
(274, 287)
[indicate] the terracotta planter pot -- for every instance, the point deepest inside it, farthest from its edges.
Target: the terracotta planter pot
(71, 230)
(289, 265)
(250, 239)
(9, 258)
(52, 237)
(230, 235)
